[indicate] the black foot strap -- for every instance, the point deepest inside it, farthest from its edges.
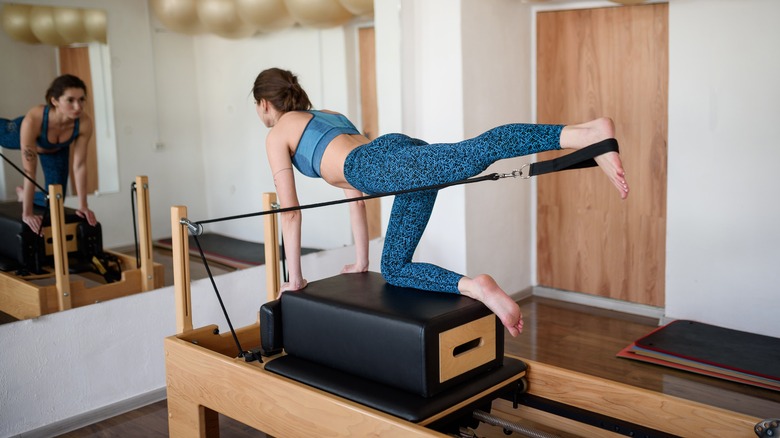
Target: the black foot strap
(579, 159)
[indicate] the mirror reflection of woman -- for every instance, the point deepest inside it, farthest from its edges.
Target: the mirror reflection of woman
(49, 132)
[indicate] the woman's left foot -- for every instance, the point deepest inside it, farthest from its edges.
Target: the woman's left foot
(485, 289)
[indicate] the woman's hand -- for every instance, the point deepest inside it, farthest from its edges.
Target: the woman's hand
(33, 221)
(291, 286)
(354, 268)
(87, 214)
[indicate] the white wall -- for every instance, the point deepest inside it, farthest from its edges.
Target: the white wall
(723, 243)
(496, 86)
(37, 65)
(233, 138)
(433, 111)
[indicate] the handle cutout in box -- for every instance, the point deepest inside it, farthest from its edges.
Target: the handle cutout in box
(466, 346)
(463, 348)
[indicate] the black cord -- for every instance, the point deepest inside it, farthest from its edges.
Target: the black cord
(578, 159)
(133, 191)
(248, 355)
(46, 193)
(491, 177)
(283, 258)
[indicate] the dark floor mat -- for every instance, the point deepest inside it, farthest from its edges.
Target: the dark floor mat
(711, 350)
(228, 251)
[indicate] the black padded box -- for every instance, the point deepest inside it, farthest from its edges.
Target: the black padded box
(20, 248)
(417, 341)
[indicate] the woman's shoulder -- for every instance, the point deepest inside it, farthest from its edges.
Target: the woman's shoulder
(33, 118)
(292, 121)
(288, 129)
(35, 112)
(85, 123)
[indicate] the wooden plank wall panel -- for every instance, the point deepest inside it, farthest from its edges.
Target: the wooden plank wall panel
(370, 115)
(75, 61)
(591, 63)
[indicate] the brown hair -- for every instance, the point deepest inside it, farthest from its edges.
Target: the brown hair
(281, 88)
(62, 83)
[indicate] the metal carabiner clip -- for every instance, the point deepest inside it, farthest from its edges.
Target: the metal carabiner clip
(518, 173)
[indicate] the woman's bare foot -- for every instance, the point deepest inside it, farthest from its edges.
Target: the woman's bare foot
(611, 165)
(485, 289)
(588, 133)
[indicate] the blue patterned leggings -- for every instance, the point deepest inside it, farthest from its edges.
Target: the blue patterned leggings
(397, 162)
(55, 167)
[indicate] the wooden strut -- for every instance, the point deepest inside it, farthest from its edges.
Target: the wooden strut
(204, 378)
(61, 270)
(23, 299)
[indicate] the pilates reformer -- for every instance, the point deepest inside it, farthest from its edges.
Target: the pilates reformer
(315, 378)
(67, 240)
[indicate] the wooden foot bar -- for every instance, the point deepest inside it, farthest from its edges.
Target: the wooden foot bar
(61, 270)
(148, 275)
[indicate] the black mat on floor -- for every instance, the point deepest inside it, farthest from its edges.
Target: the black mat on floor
(711, 350)
(228, 251)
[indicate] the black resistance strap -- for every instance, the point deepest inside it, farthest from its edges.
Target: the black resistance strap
(580, 159)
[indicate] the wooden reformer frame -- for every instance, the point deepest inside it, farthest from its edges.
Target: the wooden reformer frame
(23, 299)
(204, 378)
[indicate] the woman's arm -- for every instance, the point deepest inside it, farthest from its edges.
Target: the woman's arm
(284, 181)
(357, 216)
(80, 146)
(31, 128)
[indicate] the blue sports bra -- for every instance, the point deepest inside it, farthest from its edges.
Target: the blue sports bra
(43, 139)
(321, 129)
(10, 133)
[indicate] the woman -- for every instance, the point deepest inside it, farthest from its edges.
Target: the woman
(325, 144)
(49, 132)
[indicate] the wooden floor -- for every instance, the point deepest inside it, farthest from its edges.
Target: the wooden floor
(571, 336)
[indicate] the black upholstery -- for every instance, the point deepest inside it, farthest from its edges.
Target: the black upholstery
(408, 406)
(271, 328)
(22, 249)
(358, 324)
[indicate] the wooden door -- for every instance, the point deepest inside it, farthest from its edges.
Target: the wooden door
(75, 61)
(369, 116)
(606, 62)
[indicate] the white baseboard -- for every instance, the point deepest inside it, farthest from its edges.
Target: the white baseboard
(600, 302)
(523, 294)
(97, 415)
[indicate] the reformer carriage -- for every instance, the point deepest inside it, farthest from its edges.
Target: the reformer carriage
(466, 377)
(66, 238)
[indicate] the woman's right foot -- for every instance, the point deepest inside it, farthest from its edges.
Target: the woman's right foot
(611, 165)
(588, 133)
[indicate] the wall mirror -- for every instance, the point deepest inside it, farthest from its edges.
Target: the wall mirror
(39, 43)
